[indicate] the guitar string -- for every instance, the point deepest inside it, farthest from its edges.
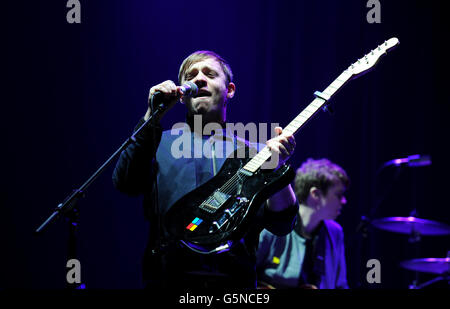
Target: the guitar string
(229, 187)
(228, 184)
(231, 184)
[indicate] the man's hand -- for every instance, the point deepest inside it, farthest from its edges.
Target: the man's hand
(171, 94)
(282, 147)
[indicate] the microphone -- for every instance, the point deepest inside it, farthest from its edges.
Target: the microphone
(189, 89)
(412, 161)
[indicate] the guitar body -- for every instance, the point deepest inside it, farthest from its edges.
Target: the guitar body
(219, 212)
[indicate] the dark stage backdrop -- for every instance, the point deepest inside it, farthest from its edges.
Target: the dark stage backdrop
(75, 91)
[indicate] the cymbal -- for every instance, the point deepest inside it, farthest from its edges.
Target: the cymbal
(411, 225)
(429, 265)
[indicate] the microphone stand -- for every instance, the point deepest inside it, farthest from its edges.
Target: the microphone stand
(69, 208)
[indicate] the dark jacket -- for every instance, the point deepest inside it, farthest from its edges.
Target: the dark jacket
(184, 162)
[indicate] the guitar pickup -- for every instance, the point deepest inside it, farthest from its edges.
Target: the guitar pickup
(215, 201)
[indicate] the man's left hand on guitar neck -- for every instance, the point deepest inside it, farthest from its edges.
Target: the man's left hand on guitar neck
(282, 147)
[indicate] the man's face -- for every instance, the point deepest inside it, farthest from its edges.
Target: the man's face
(332, 202)
(213, 90)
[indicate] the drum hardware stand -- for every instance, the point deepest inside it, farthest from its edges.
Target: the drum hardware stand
(366, 220)
(415, 234)
(414, 239)
(444, 277)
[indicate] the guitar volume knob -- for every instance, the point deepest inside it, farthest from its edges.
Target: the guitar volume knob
(216, 225)
(243, 200)
(228, 213)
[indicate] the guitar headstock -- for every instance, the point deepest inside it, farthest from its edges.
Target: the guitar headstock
(367, 62)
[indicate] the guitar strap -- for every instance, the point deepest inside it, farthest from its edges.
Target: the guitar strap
(213, 156)
(213, 150)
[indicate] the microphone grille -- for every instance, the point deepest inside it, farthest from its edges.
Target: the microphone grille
(191, 88)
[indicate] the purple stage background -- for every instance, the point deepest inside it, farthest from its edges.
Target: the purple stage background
(75, 91)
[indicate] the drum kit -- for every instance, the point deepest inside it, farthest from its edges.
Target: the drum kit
(415, 228)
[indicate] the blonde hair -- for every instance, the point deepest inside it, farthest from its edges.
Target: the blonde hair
(201, 55)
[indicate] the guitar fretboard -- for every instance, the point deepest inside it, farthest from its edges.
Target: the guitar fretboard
(292, 128)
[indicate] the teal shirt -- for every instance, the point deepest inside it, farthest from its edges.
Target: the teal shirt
(280, 258)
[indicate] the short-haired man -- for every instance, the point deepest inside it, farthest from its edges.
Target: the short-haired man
(312, 255)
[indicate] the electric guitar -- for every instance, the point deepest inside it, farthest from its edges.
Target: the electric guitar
(214, 216)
